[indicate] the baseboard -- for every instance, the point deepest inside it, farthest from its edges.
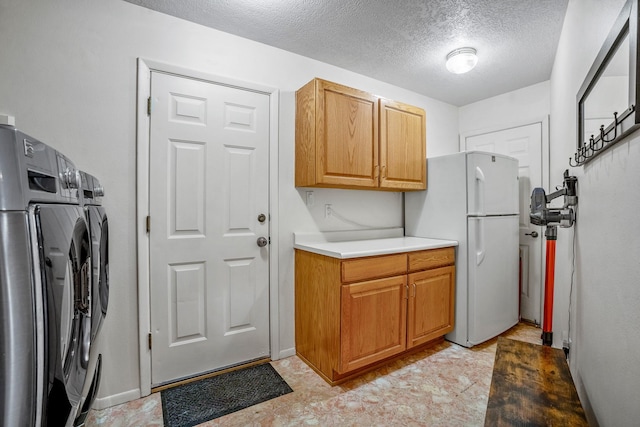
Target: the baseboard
(584, 399)
(287, 353)
(116, 399)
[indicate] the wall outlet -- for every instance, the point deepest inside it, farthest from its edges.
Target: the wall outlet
(311, 199)
(327, 211)
(566, 347)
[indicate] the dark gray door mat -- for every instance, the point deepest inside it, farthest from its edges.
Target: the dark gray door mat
(190, 404)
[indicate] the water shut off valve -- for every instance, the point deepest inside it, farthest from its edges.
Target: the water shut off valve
(565, 216)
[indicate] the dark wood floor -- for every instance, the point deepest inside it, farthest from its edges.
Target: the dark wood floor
(532, 386)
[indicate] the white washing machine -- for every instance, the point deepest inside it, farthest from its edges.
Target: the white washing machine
(47, 377)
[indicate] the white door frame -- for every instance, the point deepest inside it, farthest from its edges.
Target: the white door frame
(145, 67)
(544, 122)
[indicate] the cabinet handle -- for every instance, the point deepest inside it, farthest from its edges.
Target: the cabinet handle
(384, 172)
(414, 290)
(376, 172)
(406, 287)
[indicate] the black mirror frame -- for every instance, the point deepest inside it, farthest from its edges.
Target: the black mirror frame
(625, 122)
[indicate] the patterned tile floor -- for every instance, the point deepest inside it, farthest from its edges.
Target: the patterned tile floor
(446, 385)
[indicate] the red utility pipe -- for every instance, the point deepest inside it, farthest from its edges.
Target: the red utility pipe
(547, 324)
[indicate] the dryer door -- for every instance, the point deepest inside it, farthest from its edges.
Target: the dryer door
(100, 263)
(66, 276)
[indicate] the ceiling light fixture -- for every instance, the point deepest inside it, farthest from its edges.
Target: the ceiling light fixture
(461, 60)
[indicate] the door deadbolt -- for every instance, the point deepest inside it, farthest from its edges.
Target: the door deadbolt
(262, 218)
(262, 242)
(533, 234)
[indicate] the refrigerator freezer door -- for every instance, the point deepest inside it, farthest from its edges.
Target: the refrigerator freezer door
(492, 183)
(492, 276)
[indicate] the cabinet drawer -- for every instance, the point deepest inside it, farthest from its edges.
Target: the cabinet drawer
(374, 267)
(432, 258)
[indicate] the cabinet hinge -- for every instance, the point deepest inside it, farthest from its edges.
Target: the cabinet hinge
(148, 224)
(148, 106)
(149, 340)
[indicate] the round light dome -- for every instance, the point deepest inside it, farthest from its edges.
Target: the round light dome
(462, 60)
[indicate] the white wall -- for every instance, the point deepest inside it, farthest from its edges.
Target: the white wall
(69, 76)
(605, 314)
(522, 106)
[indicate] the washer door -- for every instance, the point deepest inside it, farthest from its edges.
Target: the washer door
(66, 277)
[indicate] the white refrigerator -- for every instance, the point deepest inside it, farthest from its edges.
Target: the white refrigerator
(472, 197)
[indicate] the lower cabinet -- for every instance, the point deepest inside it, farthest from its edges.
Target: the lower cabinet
(351, 315)
(431, 308)
(373, 321)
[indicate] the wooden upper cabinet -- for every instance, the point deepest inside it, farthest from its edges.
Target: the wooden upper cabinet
(336, 136)
(402, 146)
(347, 138)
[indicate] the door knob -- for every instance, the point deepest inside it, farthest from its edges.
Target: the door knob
(262, 242)
(533, 234)
(262, 218)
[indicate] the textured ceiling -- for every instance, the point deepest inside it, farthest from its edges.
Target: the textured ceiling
(402, 42)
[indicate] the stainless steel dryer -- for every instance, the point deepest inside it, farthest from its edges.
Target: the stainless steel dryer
(45, 286)
(91, 194)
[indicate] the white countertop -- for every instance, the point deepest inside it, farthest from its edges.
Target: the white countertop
(370, 247)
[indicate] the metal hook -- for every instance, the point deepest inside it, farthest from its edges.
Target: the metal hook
(588, 153)
(596, 143)
(615, 130)
(572, 165)
(583, 152)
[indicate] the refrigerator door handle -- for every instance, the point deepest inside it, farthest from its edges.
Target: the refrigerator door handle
(480, 190)
(480, 248)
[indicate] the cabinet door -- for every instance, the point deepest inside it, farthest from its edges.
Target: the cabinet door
(431, 298)
(374, 319)
(403, 146)
(347, 136)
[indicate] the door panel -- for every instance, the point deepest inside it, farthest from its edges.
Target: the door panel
(402, 146)
(525, 144)
(374, 321)
(486, 175)
(347, 132)
(431, 305)
(187, 302)
(493, 276)
(187, 188)
(208, 184)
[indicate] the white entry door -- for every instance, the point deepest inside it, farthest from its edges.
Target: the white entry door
(525, 144)
(209, 198)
